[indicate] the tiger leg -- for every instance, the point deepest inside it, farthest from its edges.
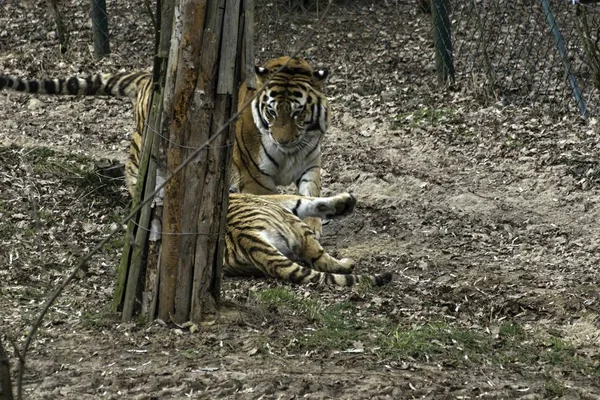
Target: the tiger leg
(311, 252)
(303, 207)
(309, 184)
(273, 263)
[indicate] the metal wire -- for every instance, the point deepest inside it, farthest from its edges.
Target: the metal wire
(538, 53)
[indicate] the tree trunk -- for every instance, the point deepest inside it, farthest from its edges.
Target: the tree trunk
(202, 77)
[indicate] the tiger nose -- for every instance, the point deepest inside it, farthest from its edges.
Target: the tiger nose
(285, 141)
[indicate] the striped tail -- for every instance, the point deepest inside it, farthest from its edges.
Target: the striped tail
(119, 85)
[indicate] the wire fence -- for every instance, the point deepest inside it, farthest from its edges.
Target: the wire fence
(531, 53)
(537, 53)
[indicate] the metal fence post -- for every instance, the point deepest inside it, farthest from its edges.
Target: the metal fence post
(443, 42)
(100, 28)
(562, 50)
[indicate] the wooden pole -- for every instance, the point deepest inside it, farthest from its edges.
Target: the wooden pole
(562, 51)
(187, 38)
(63, 33)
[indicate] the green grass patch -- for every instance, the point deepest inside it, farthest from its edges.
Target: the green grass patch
(562, 354)
(437, 340)
(339, 327)
(334, 326)
(554, 388)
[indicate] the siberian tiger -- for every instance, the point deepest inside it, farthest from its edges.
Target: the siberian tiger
(266, 237)
(277, 140)
(265, 234)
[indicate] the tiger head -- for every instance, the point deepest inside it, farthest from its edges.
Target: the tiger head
(292, 105)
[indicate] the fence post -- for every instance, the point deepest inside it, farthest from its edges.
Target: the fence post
(100, 28)
(444, 62)
(562, 50)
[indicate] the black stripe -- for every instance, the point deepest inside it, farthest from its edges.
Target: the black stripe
(315, 259)
(267, 153)
(21, 87)
(49, 86)
(286, 241)
(315, 121)
(110, 83)
(329, 278)
(135, 146)
(73, 85)
(34, 86)
(300, 179)
(124, 84)
(246, 166)
(234, 214)
(295, 71)
(89, 90)
(295, 209)
(98, 83)
(299, 274)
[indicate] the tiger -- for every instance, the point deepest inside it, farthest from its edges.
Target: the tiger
(265, 234)
(277, 139)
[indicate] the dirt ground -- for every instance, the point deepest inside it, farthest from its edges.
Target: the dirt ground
(486, 212)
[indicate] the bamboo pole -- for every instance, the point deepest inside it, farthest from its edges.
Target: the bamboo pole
(138, 265)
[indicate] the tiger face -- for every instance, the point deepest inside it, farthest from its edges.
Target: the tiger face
(291, 106)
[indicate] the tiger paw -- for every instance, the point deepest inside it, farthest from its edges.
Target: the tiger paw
(345, 266)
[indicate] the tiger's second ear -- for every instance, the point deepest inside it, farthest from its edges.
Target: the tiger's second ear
(321, 74)
(260, 71)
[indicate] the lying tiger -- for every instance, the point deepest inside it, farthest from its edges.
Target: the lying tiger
(277, 142)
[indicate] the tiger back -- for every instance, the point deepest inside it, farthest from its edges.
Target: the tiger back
(135, 85)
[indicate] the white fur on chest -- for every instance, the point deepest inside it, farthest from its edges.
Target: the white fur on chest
(287, 167)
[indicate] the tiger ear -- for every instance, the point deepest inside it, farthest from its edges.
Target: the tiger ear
(321, 74)
(319, 77)
(261, 72)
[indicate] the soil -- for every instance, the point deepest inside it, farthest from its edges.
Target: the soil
(486, 212)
